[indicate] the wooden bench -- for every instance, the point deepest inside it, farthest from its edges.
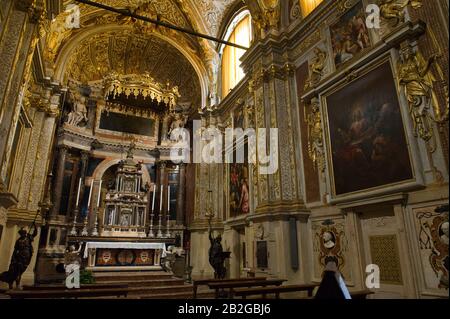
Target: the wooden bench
(206, 282)
(240, 284)
(68, 293)
(244, 292)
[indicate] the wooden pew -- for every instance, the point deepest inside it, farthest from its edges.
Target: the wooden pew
(68, 293)
(244, 292)
(206, 282)
(240, 284)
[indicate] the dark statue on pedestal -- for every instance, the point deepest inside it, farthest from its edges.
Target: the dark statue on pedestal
(23, 251)
(217, 256)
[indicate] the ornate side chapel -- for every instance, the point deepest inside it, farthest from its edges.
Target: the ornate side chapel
(158, 142)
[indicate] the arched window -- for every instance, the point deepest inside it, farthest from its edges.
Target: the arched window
(308, 6)
(239, 32)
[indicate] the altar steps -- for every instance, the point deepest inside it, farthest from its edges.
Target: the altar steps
(151, 285)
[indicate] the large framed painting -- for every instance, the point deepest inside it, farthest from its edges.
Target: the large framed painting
(349, 35)
(239, 190)
(367, 146)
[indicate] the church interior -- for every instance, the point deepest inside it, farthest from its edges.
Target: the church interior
(158, 149)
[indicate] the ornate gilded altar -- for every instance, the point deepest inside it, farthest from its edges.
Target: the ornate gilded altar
(126, 203)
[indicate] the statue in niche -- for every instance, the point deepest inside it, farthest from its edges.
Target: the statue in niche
(179, 122)
(23, 252)
(78, 114)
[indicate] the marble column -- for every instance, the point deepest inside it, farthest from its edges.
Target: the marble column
(181, 194)
(59, 178)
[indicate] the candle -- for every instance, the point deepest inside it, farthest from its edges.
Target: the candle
(161, 200)
(168, 198)
(153, 201)
(90, 193)
(78, 194)
(99, 193)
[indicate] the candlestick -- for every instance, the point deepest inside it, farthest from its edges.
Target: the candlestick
(99, 193)
(90, 194)
(78, 194)
(73, 232)
(95, 230)
(168, 198)
(161, 201)
(153, 201)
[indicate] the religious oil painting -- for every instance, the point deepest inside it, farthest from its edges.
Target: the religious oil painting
(349, 36)
(368, 142)
(239, 190)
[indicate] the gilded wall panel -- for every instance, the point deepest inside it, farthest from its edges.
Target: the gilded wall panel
(41, 166)
(30, 162)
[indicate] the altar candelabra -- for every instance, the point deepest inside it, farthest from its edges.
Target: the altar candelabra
(168, 234)
(168, 213)
(73, 232)
(160, 234)
(84, 232)
(95, 230)
(151, 234)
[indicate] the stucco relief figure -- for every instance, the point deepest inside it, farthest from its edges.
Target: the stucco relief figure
(316, 68)
(179, 122)
(23, 252)
(329, 241)
(417, 81)
(78, 114)
(394, 10)
(315, 133)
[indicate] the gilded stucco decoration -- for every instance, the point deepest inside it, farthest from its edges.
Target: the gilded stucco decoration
(140, 85)
(124, 53)
(330, 240)
(212, 12)
(432, 226)
(313, 119)
(394, 10)
(316, 68)
(416, 79)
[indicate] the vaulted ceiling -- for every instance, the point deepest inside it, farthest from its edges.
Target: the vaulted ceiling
(127, 53)
(140, 47)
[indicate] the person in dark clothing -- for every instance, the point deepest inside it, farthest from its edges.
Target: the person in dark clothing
(332, 285)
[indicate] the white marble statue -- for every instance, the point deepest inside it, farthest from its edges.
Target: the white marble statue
(79, 111)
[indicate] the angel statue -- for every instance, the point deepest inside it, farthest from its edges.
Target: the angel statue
(216, 254)
(23, 252)
(416, 79)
